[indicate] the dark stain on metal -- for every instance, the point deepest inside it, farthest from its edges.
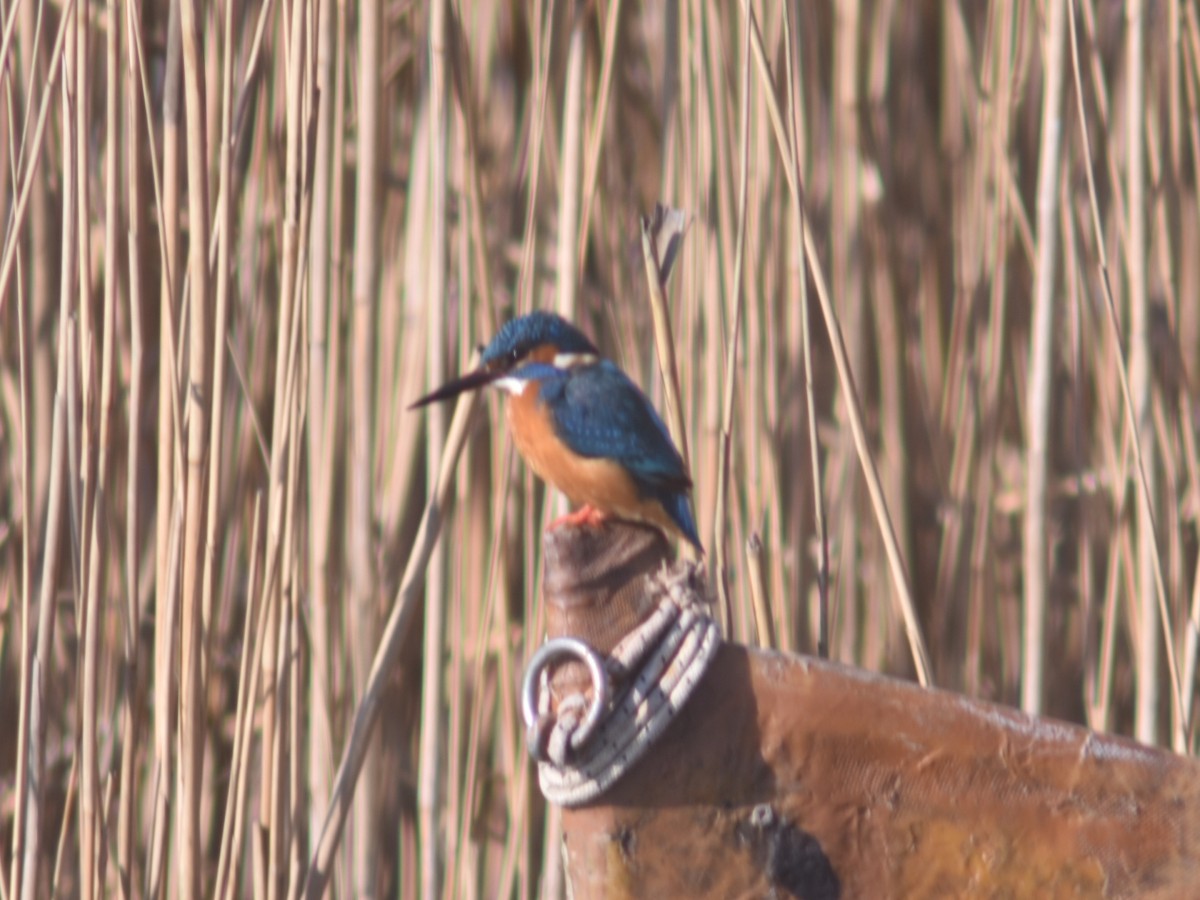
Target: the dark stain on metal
(626, 839)
(791, 859)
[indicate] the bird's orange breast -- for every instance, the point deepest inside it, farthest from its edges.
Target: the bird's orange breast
(598, 482)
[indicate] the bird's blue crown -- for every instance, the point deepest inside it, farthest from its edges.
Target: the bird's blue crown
(521, 336)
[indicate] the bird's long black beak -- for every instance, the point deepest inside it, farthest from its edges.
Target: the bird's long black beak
(469, 382)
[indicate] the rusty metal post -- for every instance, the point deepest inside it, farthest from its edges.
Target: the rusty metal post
(788, 776)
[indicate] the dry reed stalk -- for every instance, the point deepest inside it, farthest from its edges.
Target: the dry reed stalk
(512, 863)
(661, 239)
(32, 791)
(295, 874)
(764, 628)
(473, 530)
(91, 508)
(466, 110)
(40, 274)
(323, 329)
(406, 469)
(250, 668)
(1172, 380)
(197, 408)
(25, 634)
(77, 72)
(887, 306)
(64, 830)
(74, 517)
(1115, 458)
(1074, 319)
(96, 510)
(895, 460)
(457, 636)
(131, 718)
(1041, 364)
(277, 565)
(400, 366)
(1191, 66)
(283, 785)
(542, 20)
(11, 243)
(429, 784)
(980, 240)
(758, 380)
(168, 435)
(714, 122)
(737, 289)
(222, 228)
(162, 773)
(430, 751)
(846, 287)
(362, 599)
(571, 231)
(596, 130)
(796, 206)
(271, 874)
(25, 391)
(1146, 708)
(763, 384)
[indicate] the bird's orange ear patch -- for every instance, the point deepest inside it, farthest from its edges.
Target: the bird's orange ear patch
(543, 353)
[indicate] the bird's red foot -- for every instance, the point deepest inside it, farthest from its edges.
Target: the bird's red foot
(587, 515)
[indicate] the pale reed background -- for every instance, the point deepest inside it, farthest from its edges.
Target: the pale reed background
(240, 237)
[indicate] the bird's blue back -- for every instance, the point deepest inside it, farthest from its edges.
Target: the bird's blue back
(598, 412)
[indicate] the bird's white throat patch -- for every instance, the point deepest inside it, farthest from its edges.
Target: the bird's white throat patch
(511, 384)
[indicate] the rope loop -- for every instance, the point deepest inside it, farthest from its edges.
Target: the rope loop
(535, 700)
(583, 746)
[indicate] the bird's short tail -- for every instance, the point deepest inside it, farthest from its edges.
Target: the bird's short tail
(680, 510)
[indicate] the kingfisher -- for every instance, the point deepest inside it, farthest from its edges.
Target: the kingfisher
(583, 426)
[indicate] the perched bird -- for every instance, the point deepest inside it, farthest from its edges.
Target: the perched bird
(583, 426)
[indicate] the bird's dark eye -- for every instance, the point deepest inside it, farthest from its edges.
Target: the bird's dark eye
(514, 355)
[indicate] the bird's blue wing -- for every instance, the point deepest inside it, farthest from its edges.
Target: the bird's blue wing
(599, 412)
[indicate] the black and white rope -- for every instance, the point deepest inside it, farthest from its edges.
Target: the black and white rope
(584, 747)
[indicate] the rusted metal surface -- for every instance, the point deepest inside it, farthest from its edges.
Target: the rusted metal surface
(595, 586)
(786, 776)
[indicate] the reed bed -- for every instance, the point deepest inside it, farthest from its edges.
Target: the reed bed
(935, 331)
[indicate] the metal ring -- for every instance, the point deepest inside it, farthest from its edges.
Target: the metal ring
(551, 650)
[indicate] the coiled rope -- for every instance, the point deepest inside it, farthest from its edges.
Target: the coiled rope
(583, 746)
